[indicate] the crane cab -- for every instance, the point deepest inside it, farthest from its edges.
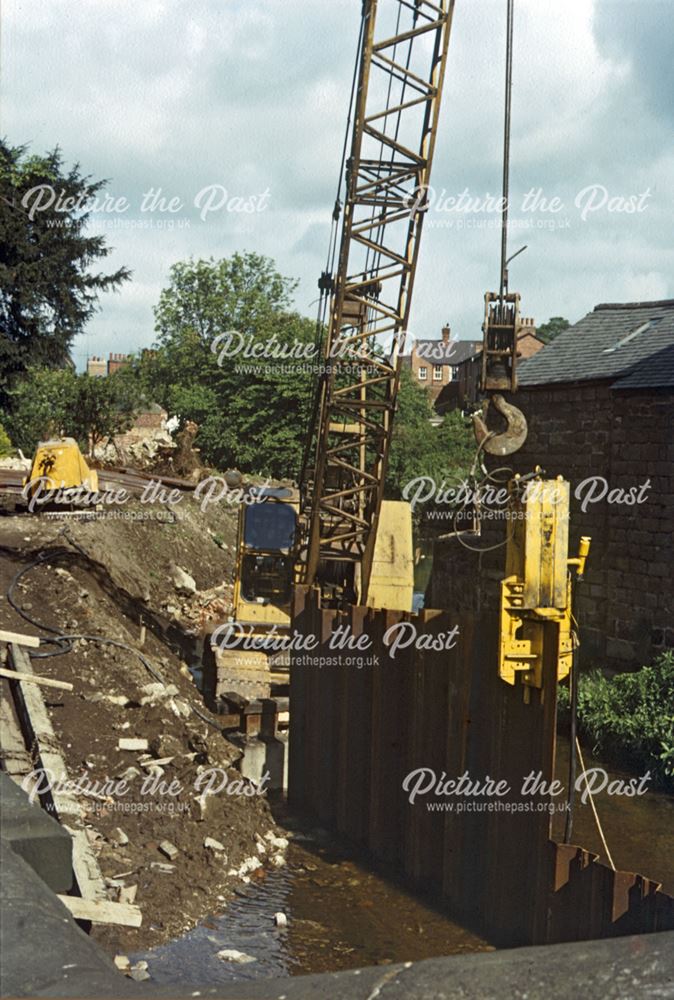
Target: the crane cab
(265, 557)
(264, 575)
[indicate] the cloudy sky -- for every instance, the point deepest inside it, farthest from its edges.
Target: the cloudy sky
(190, 98)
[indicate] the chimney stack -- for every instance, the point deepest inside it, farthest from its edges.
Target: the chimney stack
(446, 332)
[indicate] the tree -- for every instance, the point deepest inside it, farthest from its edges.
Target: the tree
(252, 411)
(548, 331)
(418, 448)
(49, 403)
(47, 288)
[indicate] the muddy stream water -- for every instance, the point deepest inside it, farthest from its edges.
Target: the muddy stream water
(342, 914)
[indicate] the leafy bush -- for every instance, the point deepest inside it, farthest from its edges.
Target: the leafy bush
(49, 402)
(630, 717)
(5, 444)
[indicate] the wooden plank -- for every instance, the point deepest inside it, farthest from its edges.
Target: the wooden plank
(38, 725)
(86, 868)
(13, 754)
(39, 729)
(19, 639)
(102, 912)
(17, 675)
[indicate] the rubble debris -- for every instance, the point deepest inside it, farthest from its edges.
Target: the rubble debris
(214, 845)
(138, 972)
(157, 691)
(119, 837)
(113, 699)
(280, 919)
(231, 955)
(162, 867)
(169, 850)
(127, 894)
(182, 581)
(131, 743)
(177, 894)
(249, 865)
(122, 962)
(280, 843)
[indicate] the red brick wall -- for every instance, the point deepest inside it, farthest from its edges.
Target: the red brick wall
(626, 603)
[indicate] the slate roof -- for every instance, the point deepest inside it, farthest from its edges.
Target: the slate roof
(454, 352)
(632, 344)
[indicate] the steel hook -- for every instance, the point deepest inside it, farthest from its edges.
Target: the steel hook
(508, 441)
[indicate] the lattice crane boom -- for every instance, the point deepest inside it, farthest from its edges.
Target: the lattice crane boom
(400, 76)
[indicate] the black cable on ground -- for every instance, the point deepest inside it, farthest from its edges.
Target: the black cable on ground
(65, 641)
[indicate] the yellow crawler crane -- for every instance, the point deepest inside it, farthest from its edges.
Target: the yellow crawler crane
(349, 542)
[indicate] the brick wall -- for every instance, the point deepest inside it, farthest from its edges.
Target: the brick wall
(626, 603)
(431, 366)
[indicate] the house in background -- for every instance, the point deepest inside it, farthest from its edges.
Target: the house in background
(99, 367)
(449, 369)
(467, 382)
(599, 402)
(434, 363)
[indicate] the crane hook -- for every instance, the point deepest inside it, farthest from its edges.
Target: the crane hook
(508, 441)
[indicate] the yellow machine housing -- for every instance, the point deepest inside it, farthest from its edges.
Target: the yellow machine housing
(59, 464)
(266, 571)
(537, 587)
(392, 577)
(264, 575)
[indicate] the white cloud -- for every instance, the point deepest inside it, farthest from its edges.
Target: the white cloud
(253, 95)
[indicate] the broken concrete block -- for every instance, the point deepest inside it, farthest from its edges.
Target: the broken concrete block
(182, 581)
(130, 743)
(119, 837)
(122, 962)
(130, 774)
(202, 806)
(156, 691)
(280, 843)
(127, 894)
(138, 975)
(160, 866)
(169, 850)
(113, 699)
(213, 844)
(180, 708)
(280, 920)
(231, 955)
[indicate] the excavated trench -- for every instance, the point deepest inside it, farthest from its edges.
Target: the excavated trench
(340, 911)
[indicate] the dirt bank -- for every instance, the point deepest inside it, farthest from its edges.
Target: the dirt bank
(96, 579)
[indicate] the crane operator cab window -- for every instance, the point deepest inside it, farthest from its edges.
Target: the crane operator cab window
(267, 563)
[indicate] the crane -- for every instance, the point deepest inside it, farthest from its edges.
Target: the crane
(336, 532)
(400, 71)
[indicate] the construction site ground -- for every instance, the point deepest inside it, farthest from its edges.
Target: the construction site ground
(102, 578)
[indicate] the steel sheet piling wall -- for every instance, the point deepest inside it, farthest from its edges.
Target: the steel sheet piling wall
(358, 730)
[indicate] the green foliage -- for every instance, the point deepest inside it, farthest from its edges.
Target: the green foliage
(5, 443)
(420, 449)
(630, 717)
(51, 402)
(251, 414)
(548, 331)
(47, 290)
